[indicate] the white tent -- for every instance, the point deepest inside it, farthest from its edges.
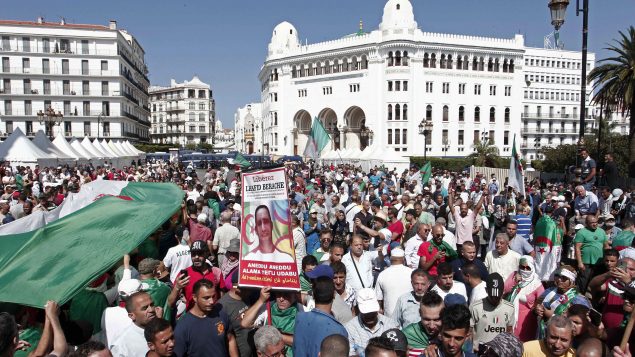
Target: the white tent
(77, 146)
(88, 146)
(106, 147)
(133, 149)
(20, 151)
(103, 151)
(123, 149)
(116, 150)
(63, 145)
(42, 142)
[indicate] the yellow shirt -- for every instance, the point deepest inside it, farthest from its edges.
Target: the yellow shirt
(537, 348)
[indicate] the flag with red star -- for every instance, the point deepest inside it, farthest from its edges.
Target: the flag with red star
(548, 246)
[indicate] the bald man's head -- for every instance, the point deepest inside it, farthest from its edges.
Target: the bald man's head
(592, 347)
(334, 346)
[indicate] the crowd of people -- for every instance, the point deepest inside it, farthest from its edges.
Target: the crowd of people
(390, 263)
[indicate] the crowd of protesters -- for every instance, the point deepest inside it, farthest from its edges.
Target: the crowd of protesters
(390, 263)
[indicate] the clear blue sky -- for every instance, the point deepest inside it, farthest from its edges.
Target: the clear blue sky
(225, 42)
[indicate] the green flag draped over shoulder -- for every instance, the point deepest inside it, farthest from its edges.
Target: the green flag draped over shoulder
(241, 161)
(61, 251)
(317, 141)
(426, 172)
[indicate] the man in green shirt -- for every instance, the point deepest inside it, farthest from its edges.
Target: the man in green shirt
(159, 291)
(420, 333)
(590, 243)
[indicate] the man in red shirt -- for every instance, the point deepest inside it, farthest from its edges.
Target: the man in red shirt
(200, 269)
(435, 251)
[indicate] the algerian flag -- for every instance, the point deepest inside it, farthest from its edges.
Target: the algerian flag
(548, 247)
(53, 255)
(241, 161)
(426, 173)
(318, 139)
(516, 172)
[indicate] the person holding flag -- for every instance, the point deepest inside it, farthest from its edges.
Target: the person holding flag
(547, 245)
(317, 141)
(516, 171)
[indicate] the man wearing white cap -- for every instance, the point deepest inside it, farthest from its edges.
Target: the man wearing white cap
(369, 322)
(391, 282)
(115, 319)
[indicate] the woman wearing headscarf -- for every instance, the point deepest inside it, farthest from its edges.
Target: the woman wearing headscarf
(523, 289)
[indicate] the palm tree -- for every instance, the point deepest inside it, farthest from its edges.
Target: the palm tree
(485, 154)
(615, 81)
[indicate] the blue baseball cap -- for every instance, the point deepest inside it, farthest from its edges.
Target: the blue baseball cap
(320, 271)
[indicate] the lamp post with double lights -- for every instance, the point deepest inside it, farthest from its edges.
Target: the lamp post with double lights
(425, 129)
(558, 9)
(49, 118)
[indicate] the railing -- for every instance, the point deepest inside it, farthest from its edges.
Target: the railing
(587, 130)
(56, 92)
(53, 50)
(174, 109)
(56, 71)
(554, 116)
(131, 98)
(133, 65)
(71, 113)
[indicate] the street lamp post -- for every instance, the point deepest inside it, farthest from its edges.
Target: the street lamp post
(425, 128)
(558, 9)
(98, 124)
(446, 146)
(537, 147)
(49, 118)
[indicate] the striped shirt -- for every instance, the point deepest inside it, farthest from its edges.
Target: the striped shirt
(524, 226)
(359, 334)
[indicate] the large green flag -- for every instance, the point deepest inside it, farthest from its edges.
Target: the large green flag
(54, 255)
(318, 139)
(426, 172)
(241, 161)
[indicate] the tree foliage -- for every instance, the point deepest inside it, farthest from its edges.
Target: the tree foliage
(615, 83)
(485, 154)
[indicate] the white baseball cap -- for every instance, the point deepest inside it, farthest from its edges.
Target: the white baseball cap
(367, 301)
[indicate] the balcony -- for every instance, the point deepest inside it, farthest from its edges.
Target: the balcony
(175, 109)
(131, 98)
(552, 131)
(54, 71)
(555, 116)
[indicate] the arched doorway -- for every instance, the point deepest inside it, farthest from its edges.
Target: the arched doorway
(250, 147)
(329, 119)
(301, 131)
(357, 134)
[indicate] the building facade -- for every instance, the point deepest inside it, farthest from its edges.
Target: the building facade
(94, 75)
(183, 113)
(249, 130)
(224, 138)
(379, 87)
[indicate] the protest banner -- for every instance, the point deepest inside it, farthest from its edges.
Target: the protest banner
(267, 255)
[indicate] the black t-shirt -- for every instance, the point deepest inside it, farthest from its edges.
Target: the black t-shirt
(235, 309)
(206, 336)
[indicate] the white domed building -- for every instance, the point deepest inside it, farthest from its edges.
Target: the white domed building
(377, 88)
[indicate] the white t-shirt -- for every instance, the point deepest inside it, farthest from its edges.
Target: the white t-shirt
(478, 293)
(391, 284)
(457, 288)
(504, 265)
(114, 321)
(130, 342)
(176, 259)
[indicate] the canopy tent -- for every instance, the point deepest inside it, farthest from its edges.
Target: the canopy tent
(371, 156)
(77, 146)
(98, 146)
(106, 147)
(43, 143)
(20, 151)
(132, 148)
(88, 146)
(63, 145)
(124, 149)
(116, 150)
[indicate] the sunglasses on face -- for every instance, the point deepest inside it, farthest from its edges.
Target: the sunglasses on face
(524, 267)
